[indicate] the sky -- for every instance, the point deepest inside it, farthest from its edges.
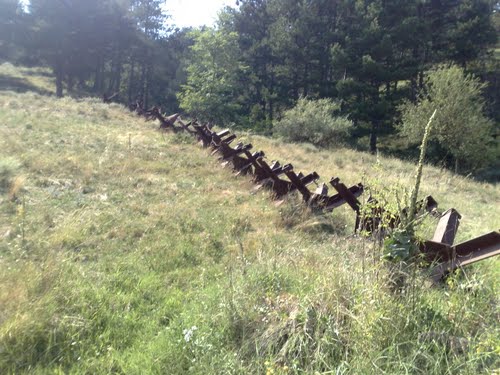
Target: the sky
(186, 13)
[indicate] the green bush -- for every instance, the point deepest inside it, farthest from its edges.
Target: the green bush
(314, 121)
(460, 127)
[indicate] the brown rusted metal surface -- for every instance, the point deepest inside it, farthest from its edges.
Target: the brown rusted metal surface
(263, 172)
(469, 252)
(203, 134)
(227, 152)
(280, 187)
(321, 200)
(165, 122)
(353, 202)
(244, 165)
(219, 141)
(447, 227)
(346, 194)
(300, 182)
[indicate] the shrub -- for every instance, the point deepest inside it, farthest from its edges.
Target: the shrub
(314, 121)
(460, 128)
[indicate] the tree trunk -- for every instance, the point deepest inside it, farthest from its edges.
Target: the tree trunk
(421, 80)
(59, 78)
(146, 86)
(142, 86)
(131, 81)
(373, 138)
(99, 76)
(71, 82)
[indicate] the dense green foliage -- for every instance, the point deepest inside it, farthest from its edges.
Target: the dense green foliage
(214, 72)
(460, 127)
(262, 56)
(314, 121)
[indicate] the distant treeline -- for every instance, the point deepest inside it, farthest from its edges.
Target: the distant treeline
(369, 56)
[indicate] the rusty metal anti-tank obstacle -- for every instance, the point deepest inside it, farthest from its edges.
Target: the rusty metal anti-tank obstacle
(439, 253)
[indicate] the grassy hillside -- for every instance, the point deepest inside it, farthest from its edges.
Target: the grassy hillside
(124, 250)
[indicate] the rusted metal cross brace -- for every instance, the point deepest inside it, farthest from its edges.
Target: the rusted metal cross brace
(203, 133)
(463, 254)
(229, 153)
(349, 197)
(186, 127)
(244, 164)
(151, 113)
(321, 200)
(137, 107)
(280, 187)
(300, 182)
(223, 137)
(439, 247)
(165, 122)
(264, 175)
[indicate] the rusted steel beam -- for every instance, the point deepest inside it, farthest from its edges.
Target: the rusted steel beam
(435, 251)
(252, 158)
(244, 164)
(441, 252)
(353, 202)
(203, 136)
(322, 201)
(218, 141)
(469, 252)
(225, 149)
(261, 173)
(428, 204)
(280, 187)
(300, 183)
(447, 227)
(165, 122)
(322, 190)
(229, 153)
(222, 133)
(346, 194)
(137, 107)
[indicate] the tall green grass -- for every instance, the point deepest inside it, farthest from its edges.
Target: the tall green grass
(124, 250)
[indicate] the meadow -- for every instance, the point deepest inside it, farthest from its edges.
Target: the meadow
(127, 250)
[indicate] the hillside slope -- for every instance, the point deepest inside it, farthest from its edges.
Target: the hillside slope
(126, 250)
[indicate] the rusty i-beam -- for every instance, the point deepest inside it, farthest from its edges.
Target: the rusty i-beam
(321, 200)
(280, 187)
(243, 164)
(465, 253)
(299, 182)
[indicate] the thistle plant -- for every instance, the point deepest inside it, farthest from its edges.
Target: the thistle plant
(400, 245)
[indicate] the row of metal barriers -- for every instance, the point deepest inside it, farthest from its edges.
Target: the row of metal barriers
(439, 253)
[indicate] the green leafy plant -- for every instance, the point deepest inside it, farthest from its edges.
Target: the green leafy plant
(460, 126)
(401, 244)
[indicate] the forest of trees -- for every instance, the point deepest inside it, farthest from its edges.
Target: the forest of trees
(373, 58)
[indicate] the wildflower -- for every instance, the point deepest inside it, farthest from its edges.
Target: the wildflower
(188, 333)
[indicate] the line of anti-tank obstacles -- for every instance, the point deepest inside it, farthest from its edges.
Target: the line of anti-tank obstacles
(439, 252)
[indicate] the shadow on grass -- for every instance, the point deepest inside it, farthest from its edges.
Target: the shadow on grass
(8, 83)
